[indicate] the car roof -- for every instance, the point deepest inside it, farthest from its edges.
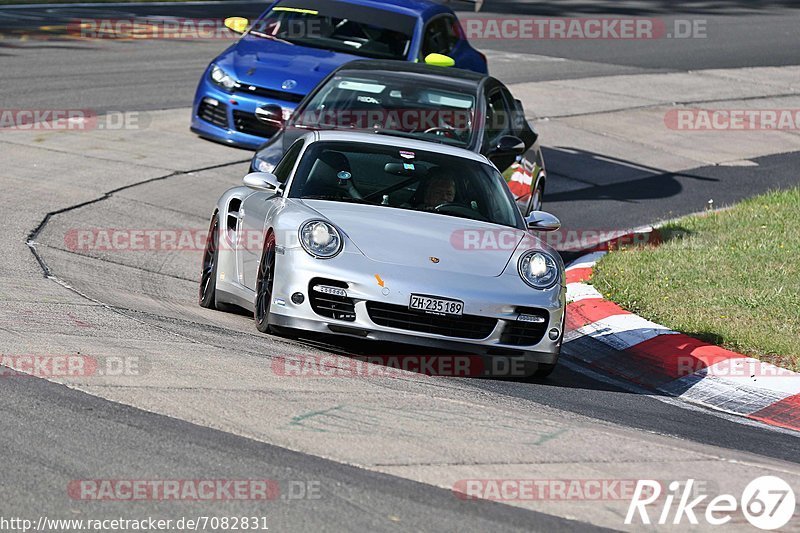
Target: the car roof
(415, 68)
(399, 142)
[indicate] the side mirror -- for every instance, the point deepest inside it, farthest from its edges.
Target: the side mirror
(542, 221)
(261, 181)
(439, 60)
(509, 145)
(271, 115)
(237, 24)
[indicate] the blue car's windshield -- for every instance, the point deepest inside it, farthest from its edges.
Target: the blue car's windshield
(394, 177)
(340, 27)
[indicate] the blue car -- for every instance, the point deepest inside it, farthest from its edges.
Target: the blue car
(250, 89)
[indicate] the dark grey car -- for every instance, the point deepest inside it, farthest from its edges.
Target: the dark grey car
(450, 106)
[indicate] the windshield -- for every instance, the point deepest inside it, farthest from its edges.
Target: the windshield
(396, 178)
(340, 27)
(437, 111)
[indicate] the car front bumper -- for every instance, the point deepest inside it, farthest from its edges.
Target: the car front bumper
(371, 287)
(230, 117)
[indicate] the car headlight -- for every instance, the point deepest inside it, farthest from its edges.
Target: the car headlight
(538, 269)
(320, 239)
(221, 78)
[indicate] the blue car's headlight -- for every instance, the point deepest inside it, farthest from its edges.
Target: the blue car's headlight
(538, 269)
(320, 239)
(267, 158)
(222, 78)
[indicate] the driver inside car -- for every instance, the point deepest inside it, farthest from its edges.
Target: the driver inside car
(439, 189)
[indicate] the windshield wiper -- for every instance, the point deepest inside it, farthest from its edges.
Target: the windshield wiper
(315, 125)
(337, 199)
(270, 37)
(407, 135)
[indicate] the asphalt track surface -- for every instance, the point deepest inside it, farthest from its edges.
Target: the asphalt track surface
(118, 440)
(56, 434)
(74, 73)
(48, 70)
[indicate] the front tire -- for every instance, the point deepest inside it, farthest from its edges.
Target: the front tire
(265, 282)
(536, 372)
(544, 370)
(208, 274)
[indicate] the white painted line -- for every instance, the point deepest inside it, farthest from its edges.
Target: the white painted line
(682, 402)
(581, 291)
(723, 394)
(624, 331)
(749, 372)
(586, 261)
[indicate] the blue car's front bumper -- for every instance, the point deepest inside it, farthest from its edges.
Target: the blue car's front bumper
(230, 117)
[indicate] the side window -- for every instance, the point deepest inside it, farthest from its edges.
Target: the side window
(284, 168)
(498, 121)
(517, 114)
(453, 32)
(441, 36)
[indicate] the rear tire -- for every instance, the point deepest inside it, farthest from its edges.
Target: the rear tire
(208, 274)
(265, 282)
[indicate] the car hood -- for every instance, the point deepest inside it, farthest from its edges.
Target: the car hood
(265, 63)
(415, 239)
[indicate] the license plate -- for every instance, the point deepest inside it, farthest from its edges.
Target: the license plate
(436, 306)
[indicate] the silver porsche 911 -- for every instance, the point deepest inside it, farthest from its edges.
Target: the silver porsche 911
(391, 239)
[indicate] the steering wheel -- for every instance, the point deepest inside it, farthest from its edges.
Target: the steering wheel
(446, 130)
(459, 209)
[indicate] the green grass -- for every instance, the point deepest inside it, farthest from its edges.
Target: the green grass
(730, 277)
